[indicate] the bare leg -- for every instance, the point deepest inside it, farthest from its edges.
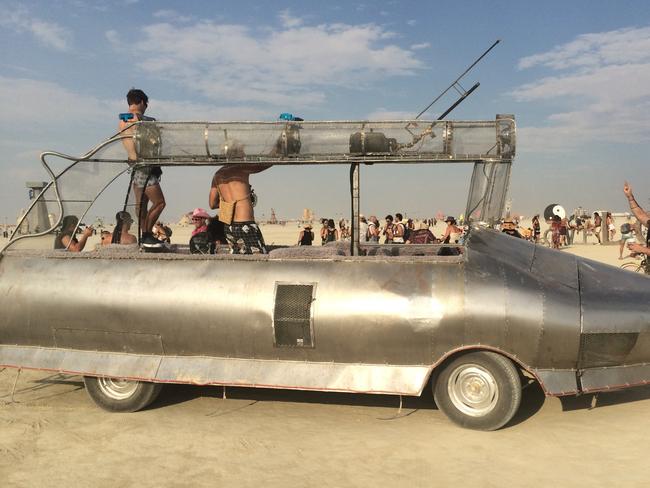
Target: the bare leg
(620, 249)
(141, 204)
(155, 195)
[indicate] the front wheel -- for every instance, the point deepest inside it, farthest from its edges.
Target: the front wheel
(120, 395)
(479, 390)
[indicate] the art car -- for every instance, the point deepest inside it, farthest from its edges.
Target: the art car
(467, 322)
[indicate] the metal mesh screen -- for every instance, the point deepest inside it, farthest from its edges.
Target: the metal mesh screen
(605, 349)
(292, 322)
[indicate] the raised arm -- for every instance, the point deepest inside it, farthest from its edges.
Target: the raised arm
(636, 209)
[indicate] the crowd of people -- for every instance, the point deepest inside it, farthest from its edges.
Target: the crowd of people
(393, 230)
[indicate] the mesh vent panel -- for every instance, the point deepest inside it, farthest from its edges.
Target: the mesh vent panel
(604, 349)
(292, 315)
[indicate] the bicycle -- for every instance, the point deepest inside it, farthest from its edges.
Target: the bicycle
(641, 267)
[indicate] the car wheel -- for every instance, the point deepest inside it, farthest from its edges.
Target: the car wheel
(479, 390)
(120, 395)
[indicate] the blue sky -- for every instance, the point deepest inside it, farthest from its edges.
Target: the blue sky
(575, 74)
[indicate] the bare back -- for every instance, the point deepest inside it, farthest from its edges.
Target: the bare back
(233, 186)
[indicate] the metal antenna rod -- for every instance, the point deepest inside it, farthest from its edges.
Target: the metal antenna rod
(455, 82)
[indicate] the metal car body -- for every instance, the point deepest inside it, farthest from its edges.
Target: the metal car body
(349, 317)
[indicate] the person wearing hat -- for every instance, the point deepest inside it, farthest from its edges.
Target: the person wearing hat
(200, 220)
(452, 231)
(422, 235)
(509, 227)
(200, 243)
(306, 236)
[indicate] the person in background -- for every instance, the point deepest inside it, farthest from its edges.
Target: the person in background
(146, 181)
(510, 228)
(399, 230)
(564, 231)
(611, 228)
(373, 230)
(121, 234)
(363, 229)
(323, 232)
(627, 235)
(331, 234)
(452, 231)
(642, 216)
(422, 235)
(537, 229)
(388, 230)
(66, 239)
(344, 231)
(556, 224)
(306, 236)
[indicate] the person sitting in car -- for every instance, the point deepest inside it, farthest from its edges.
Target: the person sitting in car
(200, 241)
(66, 238)
(121, 234)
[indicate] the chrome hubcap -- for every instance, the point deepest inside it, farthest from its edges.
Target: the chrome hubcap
(473, 390)
(117, 388)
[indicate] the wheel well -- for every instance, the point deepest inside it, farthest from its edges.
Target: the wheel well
(438, 366)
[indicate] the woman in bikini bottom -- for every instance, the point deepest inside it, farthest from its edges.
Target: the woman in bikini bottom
(245, 238)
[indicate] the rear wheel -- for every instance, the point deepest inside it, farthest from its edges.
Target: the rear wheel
(120, 395)
(479, 390)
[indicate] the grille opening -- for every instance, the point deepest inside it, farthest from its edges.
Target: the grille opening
(292, 317)
(605, 349)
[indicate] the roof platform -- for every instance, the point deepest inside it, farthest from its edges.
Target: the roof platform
(325, 142)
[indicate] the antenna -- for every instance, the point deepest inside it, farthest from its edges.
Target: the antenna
(458, 87)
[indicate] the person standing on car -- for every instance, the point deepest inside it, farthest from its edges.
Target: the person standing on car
(642, 216)
(146, 181)
(231, 194)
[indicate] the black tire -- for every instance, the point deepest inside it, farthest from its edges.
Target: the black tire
(479, 390)
(118, 395)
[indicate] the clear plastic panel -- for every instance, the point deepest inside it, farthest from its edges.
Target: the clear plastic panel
(487, 192)
(321, 141)
(78, 186)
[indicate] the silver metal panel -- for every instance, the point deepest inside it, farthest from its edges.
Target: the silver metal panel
(359, 378)
(557, 382)
(81, 362)
(599, 379)
(612, 300)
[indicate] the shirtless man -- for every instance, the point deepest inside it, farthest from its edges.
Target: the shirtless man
(231, 194)
(146, 183)
(642, 216)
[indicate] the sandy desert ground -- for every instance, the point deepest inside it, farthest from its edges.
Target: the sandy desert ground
(51, 434)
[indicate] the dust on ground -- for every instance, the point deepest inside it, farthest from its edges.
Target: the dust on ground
(53, 435)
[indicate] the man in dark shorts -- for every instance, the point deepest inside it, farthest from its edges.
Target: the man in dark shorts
(146, 182)
(642, 216)
(231, 194)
